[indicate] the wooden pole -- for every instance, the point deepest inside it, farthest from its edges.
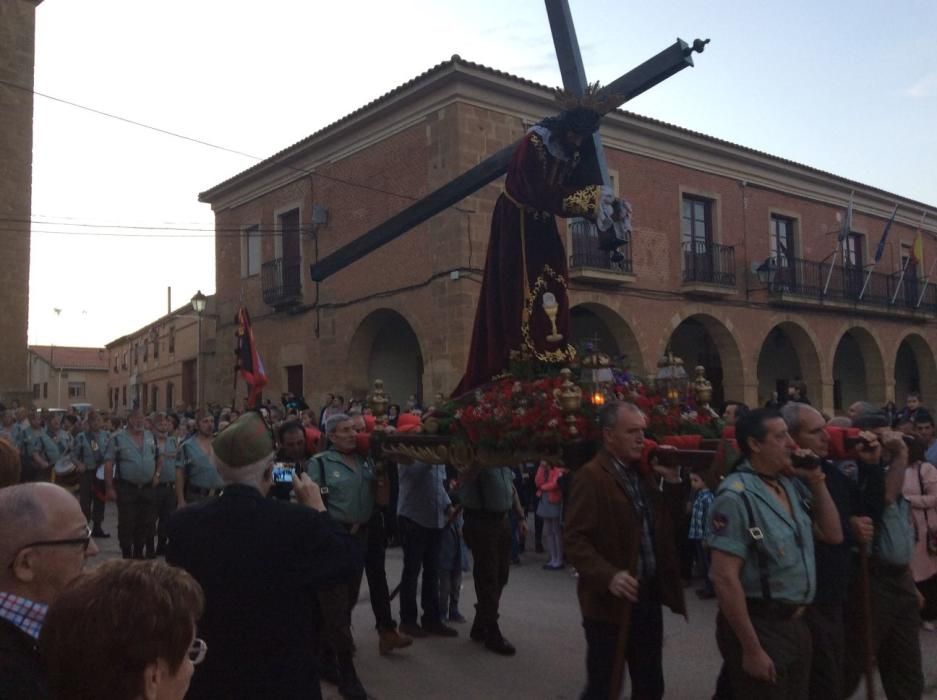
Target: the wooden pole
(866, 602)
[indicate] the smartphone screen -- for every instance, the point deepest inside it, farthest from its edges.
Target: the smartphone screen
(282, 473)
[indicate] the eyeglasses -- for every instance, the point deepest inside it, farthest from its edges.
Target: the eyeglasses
(197, 651)
(84, 541)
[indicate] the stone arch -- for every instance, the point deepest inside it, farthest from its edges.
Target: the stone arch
(593, 320)
(703, 339)
(789, 353)
(915, 370)
(386, 346)
(858, 368)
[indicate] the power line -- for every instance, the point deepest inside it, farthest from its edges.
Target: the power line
(202, 142)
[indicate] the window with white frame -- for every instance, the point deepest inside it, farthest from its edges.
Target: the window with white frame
(251, 250)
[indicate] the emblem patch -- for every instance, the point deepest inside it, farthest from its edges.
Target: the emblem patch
(720, 522)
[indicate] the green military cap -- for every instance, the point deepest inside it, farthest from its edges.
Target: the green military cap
(246, 441)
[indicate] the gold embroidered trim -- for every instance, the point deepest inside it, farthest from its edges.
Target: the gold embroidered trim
(541, 150)
(584, 202)
(567, 354)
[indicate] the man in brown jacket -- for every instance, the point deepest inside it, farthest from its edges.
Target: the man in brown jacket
(620, 538)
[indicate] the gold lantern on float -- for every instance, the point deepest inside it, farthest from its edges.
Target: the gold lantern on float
(378, 400)
(702, 387)
(596, 377)
(671, 379)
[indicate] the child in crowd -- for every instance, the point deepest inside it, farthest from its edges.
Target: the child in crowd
(550, 508)
(453, 560)
(702, 498)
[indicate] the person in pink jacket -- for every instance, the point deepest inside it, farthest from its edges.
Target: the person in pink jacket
(920, 489)
(550, 508)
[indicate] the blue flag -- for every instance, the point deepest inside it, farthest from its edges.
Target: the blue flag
(881, 244)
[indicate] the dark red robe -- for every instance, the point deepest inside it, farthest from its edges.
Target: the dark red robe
(510, 320)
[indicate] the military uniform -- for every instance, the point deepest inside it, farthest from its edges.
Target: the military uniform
(349, 498)
(166, 489)
(749, 521)
(90, 450)
(895, 619)
(487, 501)
(32, 442)
(134, 471)
(201, 477)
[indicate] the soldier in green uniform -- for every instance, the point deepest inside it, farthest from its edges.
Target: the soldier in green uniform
(196, 476)
(37, 465)
(878, 475)
(347, 481)
(89, 451)
(131, 472)
(762, 526)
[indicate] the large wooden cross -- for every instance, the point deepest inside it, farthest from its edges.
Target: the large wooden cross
(653, 71)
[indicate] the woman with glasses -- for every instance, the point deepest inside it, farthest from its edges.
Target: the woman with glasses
(124, 630)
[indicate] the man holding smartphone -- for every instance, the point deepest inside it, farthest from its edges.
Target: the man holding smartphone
(260, 562)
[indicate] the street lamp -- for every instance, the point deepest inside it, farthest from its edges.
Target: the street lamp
(198, 306)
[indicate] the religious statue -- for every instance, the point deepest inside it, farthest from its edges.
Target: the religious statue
(523, 309)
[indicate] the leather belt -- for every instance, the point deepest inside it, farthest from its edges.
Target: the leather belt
(775, 610)
(138, 487)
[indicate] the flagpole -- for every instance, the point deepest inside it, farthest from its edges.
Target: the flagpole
(926, 282)
(829, 275)
(865, 284)
(900, 279)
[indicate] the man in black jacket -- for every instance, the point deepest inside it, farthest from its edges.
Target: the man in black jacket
(259, 561)
(44, 540)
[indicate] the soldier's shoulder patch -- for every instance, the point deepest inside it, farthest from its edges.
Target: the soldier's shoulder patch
(720, 521)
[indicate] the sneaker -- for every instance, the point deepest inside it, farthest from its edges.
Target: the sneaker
(411, 629)
(456, 617)
(391, 639)
(439, 629)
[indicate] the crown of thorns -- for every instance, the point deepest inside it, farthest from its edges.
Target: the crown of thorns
(590, 99)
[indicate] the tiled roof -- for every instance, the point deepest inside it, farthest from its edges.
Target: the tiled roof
(457, 60)
(64, 357)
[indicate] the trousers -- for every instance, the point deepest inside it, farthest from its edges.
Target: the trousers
(488, 535)
(420, 552)
(136, 518)
(825, 621)
(894, 630)
(165, 499)
(644, 650)
(91, 506)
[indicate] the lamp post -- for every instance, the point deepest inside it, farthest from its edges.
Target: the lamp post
(198, 306)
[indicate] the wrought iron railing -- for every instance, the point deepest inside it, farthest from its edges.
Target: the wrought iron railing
(815, 280)
(709, 263)
(281, 282)
(586, 252)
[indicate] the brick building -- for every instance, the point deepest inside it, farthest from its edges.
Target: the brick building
(17, 60)
(156, 367)
(706, 212)
(61, 376)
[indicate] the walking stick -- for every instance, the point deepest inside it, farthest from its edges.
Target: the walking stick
(867, 624)
(621, 650)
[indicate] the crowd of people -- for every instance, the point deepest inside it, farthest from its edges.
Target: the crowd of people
(813, 565)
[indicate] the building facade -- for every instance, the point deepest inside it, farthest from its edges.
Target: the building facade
(157, 367)
(706, 214)
(17, 60)
(61, 376)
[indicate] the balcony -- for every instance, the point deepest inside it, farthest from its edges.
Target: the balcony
(282, 283)
(590, 264)
(708, 268)
(802, 282)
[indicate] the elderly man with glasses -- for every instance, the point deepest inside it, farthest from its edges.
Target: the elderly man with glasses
(44, 542)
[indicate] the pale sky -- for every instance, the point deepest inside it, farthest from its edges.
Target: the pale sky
(848, 87)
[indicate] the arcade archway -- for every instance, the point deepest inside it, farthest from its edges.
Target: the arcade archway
(788, 354)
(386, 347)
(858, 370)
(704, 340)
(595, 322)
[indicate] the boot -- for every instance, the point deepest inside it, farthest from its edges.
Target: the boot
(97, 532)
(349, 686)
(390, 639)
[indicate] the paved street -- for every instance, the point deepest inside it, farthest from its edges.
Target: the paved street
(540, 616)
